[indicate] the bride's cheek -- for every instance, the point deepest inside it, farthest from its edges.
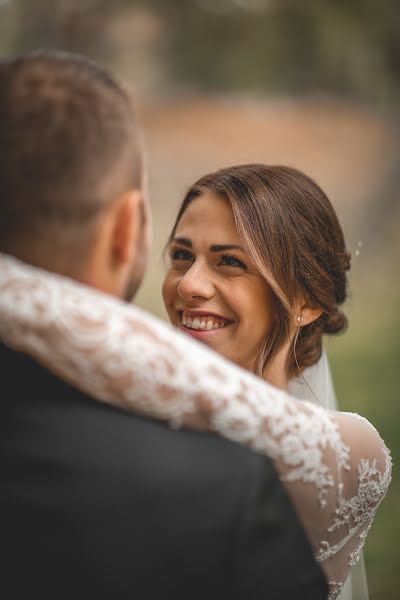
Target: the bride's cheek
(167, 291)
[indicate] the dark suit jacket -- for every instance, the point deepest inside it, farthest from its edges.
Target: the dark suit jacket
(97, 503)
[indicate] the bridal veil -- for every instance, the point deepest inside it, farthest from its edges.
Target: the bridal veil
(316, 385)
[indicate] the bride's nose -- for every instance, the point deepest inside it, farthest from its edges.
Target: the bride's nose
(196, 283)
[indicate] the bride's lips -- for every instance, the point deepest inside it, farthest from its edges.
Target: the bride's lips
(202, 324)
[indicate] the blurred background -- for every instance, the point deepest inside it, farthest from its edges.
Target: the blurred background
(315, 85)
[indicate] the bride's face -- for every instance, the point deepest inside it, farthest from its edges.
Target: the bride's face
(212, 290)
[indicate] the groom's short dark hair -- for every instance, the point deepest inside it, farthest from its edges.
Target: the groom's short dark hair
(68, 146)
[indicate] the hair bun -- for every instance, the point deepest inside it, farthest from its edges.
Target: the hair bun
(335, 323)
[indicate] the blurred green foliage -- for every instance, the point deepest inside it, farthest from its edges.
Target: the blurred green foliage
(350, 46)
(343, 46)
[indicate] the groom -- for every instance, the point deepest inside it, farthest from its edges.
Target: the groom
(96, 503)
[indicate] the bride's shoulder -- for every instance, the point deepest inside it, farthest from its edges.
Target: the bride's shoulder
(367, 453)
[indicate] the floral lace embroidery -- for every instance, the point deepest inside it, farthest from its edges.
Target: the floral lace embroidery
(356, 511)
(123, 356)
(334, 590)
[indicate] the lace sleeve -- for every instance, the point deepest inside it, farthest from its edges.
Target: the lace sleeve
(335, 466)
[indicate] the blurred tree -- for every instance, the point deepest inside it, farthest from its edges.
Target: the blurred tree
(344, 46)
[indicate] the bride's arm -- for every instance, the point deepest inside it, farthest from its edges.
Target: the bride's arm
(335, 465)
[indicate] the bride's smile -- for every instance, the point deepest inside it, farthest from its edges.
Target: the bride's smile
(201, 324)
(212, 290)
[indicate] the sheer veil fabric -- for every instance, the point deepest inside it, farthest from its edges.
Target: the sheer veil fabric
(317, 386)
(334, 465)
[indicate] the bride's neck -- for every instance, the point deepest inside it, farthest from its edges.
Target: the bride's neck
(278, 380)
(277, 372)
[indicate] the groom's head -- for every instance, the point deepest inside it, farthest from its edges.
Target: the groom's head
(71, 173)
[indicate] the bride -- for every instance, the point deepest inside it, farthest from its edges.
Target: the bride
(258, 273)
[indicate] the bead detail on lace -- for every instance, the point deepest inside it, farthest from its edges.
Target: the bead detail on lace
(334, 590)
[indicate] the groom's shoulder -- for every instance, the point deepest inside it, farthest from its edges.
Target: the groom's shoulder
(142, 459)
(47, 401)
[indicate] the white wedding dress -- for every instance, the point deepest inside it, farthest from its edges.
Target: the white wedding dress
(316, 385)
(334, 465)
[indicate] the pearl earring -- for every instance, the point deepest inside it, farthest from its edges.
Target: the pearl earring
(299, 319)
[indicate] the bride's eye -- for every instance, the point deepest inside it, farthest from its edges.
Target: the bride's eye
(228, 260)
(179, 254)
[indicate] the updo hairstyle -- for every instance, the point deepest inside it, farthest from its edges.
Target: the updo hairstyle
(291, 232)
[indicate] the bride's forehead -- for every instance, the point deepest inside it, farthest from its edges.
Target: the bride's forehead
(206, 215)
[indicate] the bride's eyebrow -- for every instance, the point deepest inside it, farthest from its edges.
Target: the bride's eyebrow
(182, 242)
(213, 248)
(225, 247)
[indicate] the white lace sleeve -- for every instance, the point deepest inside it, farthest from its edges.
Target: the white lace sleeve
(334, 465)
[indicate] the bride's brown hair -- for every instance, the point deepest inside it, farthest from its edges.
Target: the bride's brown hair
(291, 232)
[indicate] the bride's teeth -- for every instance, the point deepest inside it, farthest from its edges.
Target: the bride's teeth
(202, 323)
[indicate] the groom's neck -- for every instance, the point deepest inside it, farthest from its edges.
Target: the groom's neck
(91, 270)
(48, 258)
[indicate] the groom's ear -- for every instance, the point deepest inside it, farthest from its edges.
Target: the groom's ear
(127, 220)
(119, 227)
